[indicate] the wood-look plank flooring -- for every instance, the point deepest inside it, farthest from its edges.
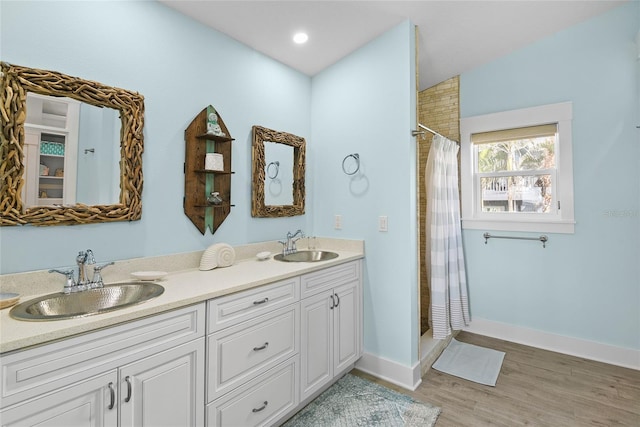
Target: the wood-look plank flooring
(535, 388)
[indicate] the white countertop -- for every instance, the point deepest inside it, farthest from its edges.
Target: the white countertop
(182, 288)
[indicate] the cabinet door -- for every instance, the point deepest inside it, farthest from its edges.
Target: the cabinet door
(31, 167)
(346, 326)
(85, 404)
(316, 343)
(166, 389)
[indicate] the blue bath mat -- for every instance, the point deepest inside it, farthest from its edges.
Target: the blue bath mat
(353, 401)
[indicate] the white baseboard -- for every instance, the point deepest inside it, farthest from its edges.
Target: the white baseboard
(620, 356)
(388, 370)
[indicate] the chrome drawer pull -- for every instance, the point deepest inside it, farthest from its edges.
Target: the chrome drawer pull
(261, 348)
(112, 393)
(128, 381)
(262, 301)
(264, 405)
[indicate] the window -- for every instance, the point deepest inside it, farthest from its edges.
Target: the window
(516, 169)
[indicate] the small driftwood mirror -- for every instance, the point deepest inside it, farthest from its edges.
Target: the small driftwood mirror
(16, 82)
(261, 205)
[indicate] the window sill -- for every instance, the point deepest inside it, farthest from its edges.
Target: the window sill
(559, 226)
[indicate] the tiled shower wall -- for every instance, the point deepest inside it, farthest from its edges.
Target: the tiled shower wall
(438, 109)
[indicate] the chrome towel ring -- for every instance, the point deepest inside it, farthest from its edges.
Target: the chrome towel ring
(272, 172)
(351, 171)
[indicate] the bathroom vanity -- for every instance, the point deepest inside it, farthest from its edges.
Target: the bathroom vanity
(147, 372)
(246, 345)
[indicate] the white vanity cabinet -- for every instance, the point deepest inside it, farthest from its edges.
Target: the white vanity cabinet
(149, 372)
(272, 348)
(253, 354)
(331, 322)
(250, 358)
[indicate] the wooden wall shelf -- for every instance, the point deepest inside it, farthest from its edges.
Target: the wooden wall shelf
(199, 182)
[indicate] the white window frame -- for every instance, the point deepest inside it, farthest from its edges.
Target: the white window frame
(560, 221)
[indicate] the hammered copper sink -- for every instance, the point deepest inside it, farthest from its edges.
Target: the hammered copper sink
(60, 306)
(306, 256)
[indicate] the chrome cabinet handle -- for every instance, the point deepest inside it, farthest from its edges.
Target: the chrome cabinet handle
(333, 302)
(112, 394)
(264, 405)
(261, 347)
(128, 381)
(262, 301)
(338, 298)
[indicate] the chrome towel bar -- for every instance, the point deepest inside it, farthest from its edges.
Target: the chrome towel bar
(542, 238)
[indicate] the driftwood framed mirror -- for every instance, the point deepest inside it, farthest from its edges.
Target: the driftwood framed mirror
(278, 160)
(16, 83)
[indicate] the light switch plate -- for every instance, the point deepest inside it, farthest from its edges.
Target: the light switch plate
(383, 223)
(337, 222)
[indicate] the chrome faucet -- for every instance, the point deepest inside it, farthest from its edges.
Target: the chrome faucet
(289, 247)
(83, 259)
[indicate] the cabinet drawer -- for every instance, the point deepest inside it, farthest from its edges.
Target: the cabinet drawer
(48, 367)
(242, 352)
(233, 309)
(318, 281)
(261, 402)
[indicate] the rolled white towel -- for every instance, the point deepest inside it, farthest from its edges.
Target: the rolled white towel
(217, 255)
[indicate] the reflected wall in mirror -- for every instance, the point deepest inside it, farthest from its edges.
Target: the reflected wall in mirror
(71, 153)
(71, 149)
(271, 198)
(278, 182)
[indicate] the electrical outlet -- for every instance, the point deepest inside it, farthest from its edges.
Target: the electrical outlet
(383, 223)
(337, 222)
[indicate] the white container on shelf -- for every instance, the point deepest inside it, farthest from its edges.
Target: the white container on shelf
(214, 162)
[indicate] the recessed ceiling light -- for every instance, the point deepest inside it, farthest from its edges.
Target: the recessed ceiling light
(300, 38)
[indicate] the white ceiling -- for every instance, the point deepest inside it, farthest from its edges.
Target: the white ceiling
(454, 36)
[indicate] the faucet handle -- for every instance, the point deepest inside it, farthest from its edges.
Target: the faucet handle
(98, 268)
(97, 276)
(89, 257)
(70, 285)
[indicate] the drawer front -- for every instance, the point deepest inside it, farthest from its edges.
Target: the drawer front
(28, 373)
(238, 354)
(233, 309)
(261, 402)
(328, 278)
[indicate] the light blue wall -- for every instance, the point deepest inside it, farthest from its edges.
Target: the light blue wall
(585, 285)
(365, 104)
(279, 189)
(180, 66)
(98, 181)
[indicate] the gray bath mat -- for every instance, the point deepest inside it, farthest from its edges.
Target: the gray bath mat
(471, 362)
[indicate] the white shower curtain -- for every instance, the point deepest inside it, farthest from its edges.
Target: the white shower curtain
(449, 309)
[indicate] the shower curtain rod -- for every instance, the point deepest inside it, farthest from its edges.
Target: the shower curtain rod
(418, 132)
